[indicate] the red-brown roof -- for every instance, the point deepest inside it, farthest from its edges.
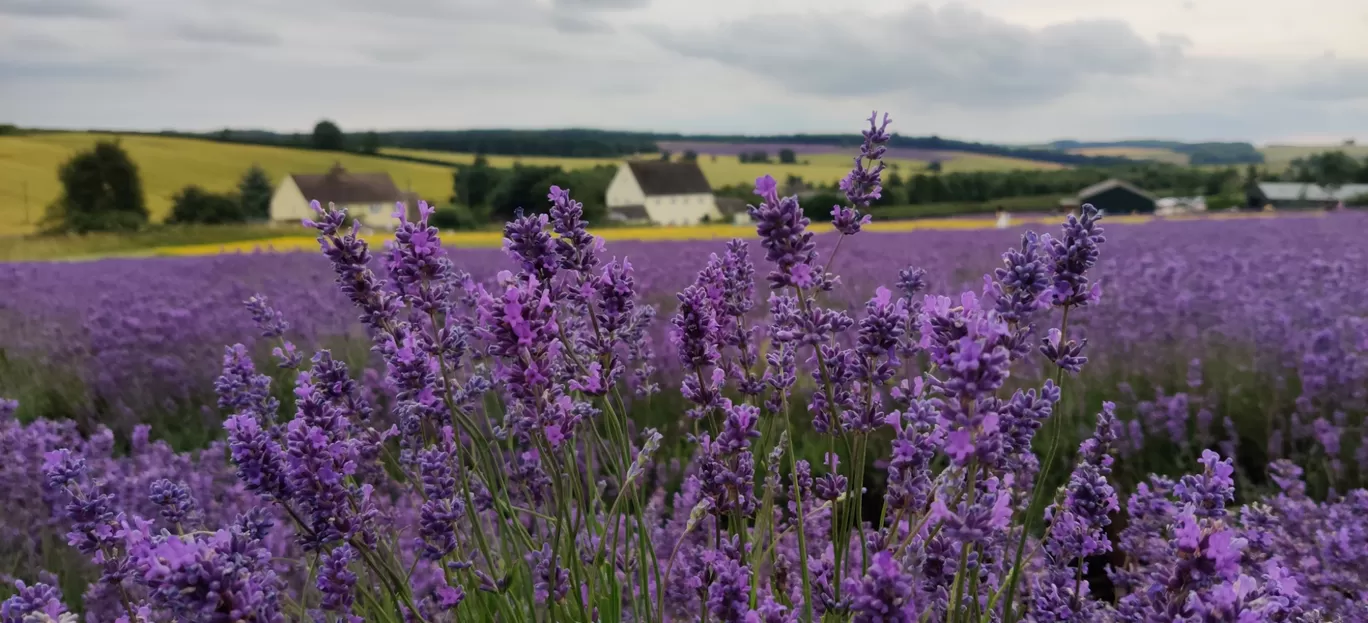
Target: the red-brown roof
(341, 186)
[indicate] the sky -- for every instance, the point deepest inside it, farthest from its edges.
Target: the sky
(1010, 71)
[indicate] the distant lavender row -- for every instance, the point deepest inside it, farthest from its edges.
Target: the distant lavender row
(732, 149)
(148, 333)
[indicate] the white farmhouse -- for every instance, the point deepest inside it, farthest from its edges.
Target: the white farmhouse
(660, 192)
(368, 197)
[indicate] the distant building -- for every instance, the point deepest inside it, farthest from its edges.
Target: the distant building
(664, 193)
(1113, 196)
(368, 197)
(1179, 205)
(1286, 195)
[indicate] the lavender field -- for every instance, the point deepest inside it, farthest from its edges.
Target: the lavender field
(1158, 422)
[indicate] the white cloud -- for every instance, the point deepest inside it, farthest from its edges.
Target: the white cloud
(996, 70)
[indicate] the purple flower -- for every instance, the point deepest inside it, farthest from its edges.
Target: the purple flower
(528, 243)
(443, 508)
(862, 185)
(271, 322)
(578, 249)
(729, 591)
(1068, 355)
(336, 580)
(30, 603)
(260, 460)
(350, 257)
(548, 584)
(695, 332)
(1208, 492)
(884, 595)
(207, 576)
(174, 501)
(783, 234)
(420, 271)
(241, 390)
(8, 408)
(1072, 257)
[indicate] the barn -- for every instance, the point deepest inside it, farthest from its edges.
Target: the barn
(664, 193)
(368, 197)
(1113, 196)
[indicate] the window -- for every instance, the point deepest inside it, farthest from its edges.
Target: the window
(376, 208)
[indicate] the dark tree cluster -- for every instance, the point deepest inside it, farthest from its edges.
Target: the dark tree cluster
(757, 156)
(1331, 168)
(250, 201)
(482, 194)
(101, 191)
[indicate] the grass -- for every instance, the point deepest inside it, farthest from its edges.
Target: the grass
(727, 170)
(1157, 154)
(96, 245)
(29, 163)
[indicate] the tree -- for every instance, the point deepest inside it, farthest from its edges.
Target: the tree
(818, 206)
(196, 205)
(690, 156)
(326, 135)
(786, 156)
(101, 191)
(454, 217)
(472, 184)
(370, 143)
(521, 187)
(665, 155)
(893, 192)
(934, 166)
(254, 192)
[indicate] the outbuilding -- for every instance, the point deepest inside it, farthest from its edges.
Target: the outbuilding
(1113, 196)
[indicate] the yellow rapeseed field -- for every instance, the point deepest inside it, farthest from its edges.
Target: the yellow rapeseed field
(28, 170)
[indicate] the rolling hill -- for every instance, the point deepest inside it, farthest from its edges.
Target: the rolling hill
(29, 163)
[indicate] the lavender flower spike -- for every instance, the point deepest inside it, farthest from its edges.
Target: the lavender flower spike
(863, 185)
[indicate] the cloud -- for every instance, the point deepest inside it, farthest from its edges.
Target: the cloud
(578, 24)
(596, 5)
(227, 33)
(58, 8)
(952, 55)
(60, 71)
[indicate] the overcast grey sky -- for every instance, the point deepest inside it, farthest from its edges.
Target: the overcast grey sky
(992, 70)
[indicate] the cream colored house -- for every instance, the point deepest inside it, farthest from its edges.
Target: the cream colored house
(368, 197)
(660, 192)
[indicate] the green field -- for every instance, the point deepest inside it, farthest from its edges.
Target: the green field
(1277, 157)
(1136, 153)
(28, 170)
(727, 170)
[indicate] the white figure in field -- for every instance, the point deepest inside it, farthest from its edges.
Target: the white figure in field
(1004, 220)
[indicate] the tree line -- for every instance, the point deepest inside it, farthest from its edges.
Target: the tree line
(1330, 168)
(587, 143)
